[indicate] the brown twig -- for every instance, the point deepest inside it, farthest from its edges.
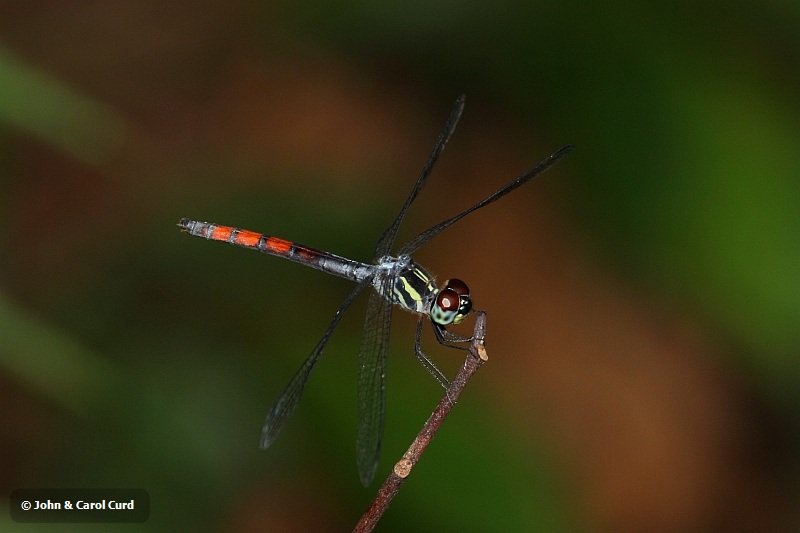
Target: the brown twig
(477, 356)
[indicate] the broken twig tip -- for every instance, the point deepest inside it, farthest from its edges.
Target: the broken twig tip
(482, 352)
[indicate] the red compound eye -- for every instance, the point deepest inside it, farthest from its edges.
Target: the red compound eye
(448, 300)
(458, 286)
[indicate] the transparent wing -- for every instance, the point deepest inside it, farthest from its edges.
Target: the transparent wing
(386, 240)
(372, 382)
(288, 400)
(413, 245)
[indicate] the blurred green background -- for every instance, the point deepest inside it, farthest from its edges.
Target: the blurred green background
(643, 297)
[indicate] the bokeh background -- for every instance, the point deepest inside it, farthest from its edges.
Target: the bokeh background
(643, 297)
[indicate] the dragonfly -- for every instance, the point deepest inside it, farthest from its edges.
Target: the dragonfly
(396, 280)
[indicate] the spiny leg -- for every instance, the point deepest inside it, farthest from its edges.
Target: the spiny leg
(425, 360)
(448, 338)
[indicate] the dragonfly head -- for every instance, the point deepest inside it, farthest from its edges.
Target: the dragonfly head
(452, 303)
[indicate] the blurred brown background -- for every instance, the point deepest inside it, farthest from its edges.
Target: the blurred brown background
(643, 297)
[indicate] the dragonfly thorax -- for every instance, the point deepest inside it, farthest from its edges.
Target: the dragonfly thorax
(410, 285)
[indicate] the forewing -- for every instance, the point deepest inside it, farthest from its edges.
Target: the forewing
(385, 242)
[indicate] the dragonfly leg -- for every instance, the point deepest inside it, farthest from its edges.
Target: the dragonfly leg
(450, 339)
(425, 360)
